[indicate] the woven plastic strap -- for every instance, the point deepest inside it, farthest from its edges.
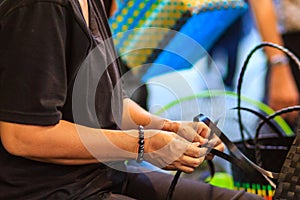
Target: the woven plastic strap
(138, 44)
(288, 186)
(134, 41)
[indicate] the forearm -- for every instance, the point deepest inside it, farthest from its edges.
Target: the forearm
(266, 20)
(134, 115)
(67, 143)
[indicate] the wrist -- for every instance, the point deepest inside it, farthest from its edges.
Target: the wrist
(171, 126)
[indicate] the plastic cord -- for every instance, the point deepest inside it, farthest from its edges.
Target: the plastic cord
(242, 73)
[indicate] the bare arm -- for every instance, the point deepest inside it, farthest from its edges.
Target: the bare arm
(134, 115)
(65, 143)
(282, 88)
(68, 144)
(266, 20)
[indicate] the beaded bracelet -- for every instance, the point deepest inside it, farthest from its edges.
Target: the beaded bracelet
(141, 142)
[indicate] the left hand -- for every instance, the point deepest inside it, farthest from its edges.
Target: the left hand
(197, 132)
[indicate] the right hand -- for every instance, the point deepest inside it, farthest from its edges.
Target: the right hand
(283, 91)
(170, 151)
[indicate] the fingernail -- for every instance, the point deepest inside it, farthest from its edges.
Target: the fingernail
(196, 144)
(204, 140)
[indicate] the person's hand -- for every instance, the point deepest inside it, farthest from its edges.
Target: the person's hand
(215, 143)
(283, 91)
(200, 132)
(194, 131)
(189, 148)
(170, 151)
(191, 131)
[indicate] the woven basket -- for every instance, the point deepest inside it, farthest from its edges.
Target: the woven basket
(288, 184)
(273, 153)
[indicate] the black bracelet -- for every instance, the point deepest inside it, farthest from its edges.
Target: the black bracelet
(141, 142)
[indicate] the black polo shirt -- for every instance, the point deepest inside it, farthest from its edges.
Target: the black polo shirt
(43, 47)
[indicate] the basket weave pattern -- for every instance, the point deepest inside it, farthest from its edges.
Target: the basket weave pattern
(288, 186)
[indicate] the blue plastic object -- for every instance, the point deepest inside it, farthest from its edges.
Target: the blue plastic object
(196, 37)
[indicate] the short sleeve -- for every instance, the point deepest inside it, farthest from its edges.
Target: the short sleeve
(33, 63)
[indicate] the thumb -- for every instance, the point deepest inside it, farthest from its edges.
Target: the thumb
(200, 140)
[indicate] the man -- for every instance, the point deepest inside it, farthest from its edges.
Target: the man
(66, 127)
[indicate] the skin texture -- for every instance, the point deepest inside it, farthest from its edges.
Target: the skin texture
(70, 144)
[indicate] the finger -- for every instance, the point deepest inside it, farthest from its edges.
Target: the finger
(194, 151)
(190, 161)
(186, 169)
(209, 156)
(220, 146)
(178, 166)
(187, 164)
(202, 129)
(200, 139)
(203, 132)
(187, 132)
(215, 142)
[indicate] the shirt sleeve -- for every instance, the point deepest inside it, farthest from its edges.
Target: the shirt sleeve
(33, 63)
